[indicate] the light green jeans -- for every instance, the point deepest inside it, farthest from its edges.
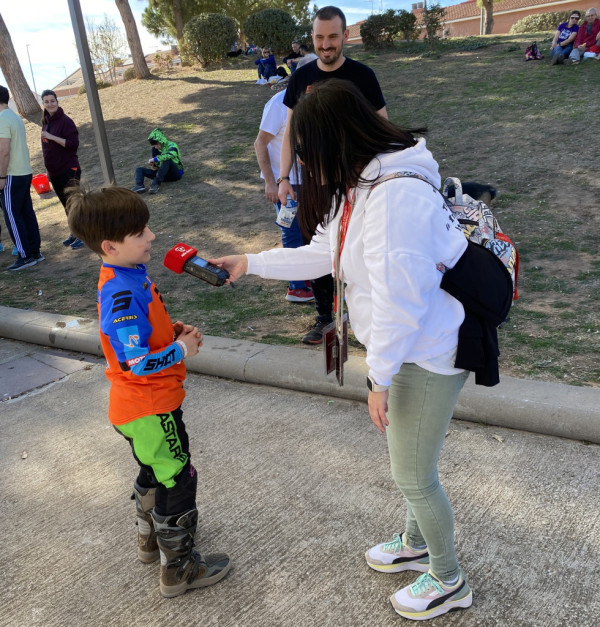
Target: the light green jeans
(420, 407)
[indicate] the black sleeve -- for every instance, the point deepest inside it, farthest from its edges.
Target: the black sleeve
(290, 100)
(370, 87)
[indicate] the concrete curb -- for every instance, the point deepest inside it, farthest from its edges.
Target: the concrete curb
(546, 408)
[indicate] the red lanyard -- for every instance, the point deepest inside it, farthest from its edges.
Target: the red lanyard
(345, 220)
(342, 229)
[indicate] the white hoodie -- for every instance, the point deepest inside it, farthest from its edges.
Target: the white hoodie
(394, 240)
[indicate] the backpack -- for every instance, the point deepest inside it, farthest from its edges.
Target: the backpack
(481, 279)
(532, 53)
(481, 227)
(476, 220)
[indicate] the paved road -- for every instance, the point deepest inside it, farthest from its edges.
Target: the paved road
(295, 487)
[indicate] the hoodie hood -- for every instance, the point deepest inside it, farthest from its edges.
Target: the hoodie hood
(158, 136)
(415, 159)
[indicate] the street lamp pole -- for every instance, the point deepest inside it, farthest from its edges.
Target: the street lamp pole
(31, 68)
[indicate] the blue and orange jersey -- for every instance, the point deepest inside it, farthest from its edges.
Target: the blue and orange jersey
(144, 364)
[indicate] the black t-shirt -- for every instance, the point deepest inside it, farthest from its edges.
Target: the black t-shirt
(291, 55)
(361, 75)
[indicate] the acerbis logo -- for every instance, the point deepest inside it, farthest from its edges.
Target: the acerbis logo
(123, 318)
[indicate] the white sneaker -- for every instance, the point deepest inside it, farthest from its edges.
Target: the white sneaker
(261, 81)
(396, 556)
(428, 597)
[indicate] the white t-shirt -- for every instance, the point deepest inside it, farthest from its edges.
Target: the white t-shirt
(273, 121)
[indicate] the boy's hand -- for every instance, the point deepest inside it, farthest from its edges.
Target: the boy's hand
(192, 340)
(236, 265)
(179, 328)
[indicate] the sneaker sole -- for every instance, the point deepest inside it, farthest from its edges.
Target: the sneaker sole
(168, 592)
(299, 299)
(312, 342)
(26, 265)
(449, 606)
(420, 567)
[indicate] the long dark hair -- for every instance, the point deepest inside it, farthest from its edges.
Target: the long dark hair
(336, 132)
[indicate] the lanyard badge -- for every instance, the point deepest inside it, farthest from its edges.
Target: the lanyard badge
(335, 335)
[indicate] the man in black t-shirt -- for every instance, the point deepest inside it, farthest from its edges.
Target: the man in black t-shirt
(329, 34)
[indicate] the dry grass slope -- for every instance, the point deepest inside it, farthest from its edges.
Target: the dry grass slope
(491, 117)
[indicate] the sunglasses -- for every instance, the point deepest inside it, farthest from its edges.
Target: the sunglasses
(574, 17)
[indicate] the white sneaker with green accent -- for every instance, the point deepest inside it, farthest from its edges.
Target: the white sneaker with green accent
(396, 556)
(428, 597)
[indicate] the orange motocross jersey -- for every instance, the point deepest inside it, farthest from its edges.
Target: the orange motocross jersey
(145, 366)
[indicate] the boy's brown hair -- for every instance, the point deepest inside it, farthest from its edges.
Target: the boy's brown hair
(109, 213)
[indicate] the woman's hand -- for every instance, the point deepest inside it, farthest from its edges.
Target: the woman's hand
(53, 138)
(236, 265)
(378, 407)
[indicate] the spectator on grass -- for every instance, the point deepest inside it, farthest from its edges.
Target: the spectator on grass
(565, 34)
(307, 57)
(15, 182)
(268, 151)
(60, 141)
(329, 35)
(165, 164)
(290, 59)
(266, 66)
(587, 41)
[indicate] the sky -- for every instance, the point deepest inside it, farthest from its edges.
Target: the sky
(42, 32)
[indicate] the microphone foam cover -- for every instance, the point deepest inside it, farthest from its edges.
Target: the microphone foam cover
(177, 256)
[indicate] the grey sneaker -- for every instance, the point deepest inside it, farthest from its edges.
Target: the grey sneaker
(39, 257)
(315, 335)
(428, 597)
(138, 189)
(154, 188)
(396, 556)
(21, 263)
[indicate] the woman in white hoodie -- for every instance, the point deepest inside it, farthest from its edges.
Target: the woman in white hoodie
(393, 237)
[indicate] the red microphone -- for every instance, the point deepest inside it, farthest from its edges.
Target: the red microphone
(182, 258)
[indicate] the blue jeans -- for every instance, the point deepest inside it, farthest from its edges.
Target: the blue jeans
(291, 238)
(168, 171)
(566, 51)
(420, 407)
(264, 71)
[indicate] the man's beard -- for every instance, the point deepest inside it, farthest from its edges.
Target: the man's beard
(330, 60)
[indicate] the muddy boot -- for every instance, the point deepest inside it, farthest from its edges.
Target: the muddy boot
(144, 503)
(181, 568)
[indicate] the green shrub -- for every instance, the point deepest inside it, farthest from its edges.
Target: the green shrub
(209, 36)
(407, 25)
(379, 31)
(129, 74)
(99, 85)
(433, 19)
(304, 34)
(271, 28)
(541, 22)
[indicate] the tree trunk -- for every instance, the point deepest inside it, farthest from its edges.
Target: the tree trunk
(137, 54)
(26, 102)
(178, 14)
(488, 9)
